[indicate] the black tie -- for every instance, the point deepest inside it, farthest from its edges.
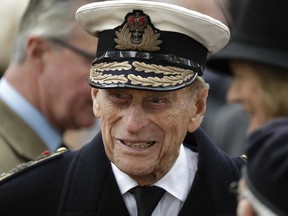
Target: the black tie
(147, 198)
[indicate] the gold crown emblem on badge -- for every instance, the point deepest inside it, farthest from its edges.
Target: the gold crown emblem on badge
(137, 34)
(137, 23)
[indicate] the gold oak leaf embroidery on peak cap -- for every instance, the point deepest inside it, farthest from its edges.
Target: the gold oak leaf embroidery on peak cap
(172, 75)
(178, 75)
(159, 69)
(97, 76)
(112, 66)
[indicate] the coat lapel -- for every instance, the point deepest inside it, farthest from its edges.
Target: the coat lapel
(197, 202)
(111, 200)
(209, 194)
(90, 186)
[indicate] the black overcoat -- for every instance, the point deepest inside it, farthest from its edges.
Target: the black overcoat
(78, 183)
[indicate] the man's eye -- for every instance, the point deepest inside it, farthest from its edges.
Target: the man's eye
(119, 98)
(157, 101)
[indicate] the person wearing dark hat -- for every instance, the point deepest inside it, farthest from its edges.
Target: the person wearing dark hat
(151, 157)
(230, 116)
(263, 189)
(257, 57)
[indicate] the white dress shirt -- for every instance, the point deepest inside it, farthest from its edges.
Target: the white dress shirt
(177, 183)
(30, 115)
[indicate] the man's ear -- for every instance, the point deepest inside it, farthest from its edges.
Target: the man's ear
(37, 48)
(196, 117)
(96, 105)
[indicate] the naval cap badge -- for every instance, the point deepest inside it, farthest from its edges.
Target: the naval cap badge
(137, 33)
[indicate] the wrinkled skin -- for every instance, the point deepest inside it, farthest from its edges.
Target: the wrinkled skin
(143, 130)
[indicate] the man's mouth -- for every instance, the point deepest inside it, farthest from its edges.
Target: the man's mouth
(139, 144)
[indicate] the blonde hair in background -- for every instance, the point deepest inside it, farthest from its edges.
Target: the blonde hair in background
(274, 84)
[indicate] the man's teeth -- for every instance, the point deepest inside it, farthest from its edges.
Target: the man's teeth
(142, 145)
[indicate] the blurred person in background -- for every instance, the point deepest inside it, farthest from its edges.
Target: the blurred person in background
(225, 123)
(51, 54)
(263, 188)
(256, 56)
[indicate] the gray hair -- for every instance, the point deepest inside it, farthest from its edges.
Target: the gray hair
(47, 19)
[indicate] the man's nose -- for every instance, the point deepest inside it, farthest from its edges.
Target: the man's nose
(135, 118)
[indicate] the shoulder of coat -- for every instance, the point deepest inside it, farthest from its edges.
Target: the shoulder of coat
(43, 157)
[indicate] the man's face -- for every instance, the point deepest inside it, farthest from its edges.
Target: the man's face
(246, 90)
(64, 91)
(143, 130)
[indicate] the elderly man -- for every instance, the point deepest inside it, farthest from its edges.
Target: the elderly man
(151, 157)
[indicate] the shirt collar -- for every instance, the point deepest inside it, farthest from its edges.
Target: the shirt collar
(183, 170)
(30, 115)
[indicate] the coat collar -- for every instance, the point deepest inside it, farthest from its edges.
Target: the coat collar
(95, 178)
(216, 170)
